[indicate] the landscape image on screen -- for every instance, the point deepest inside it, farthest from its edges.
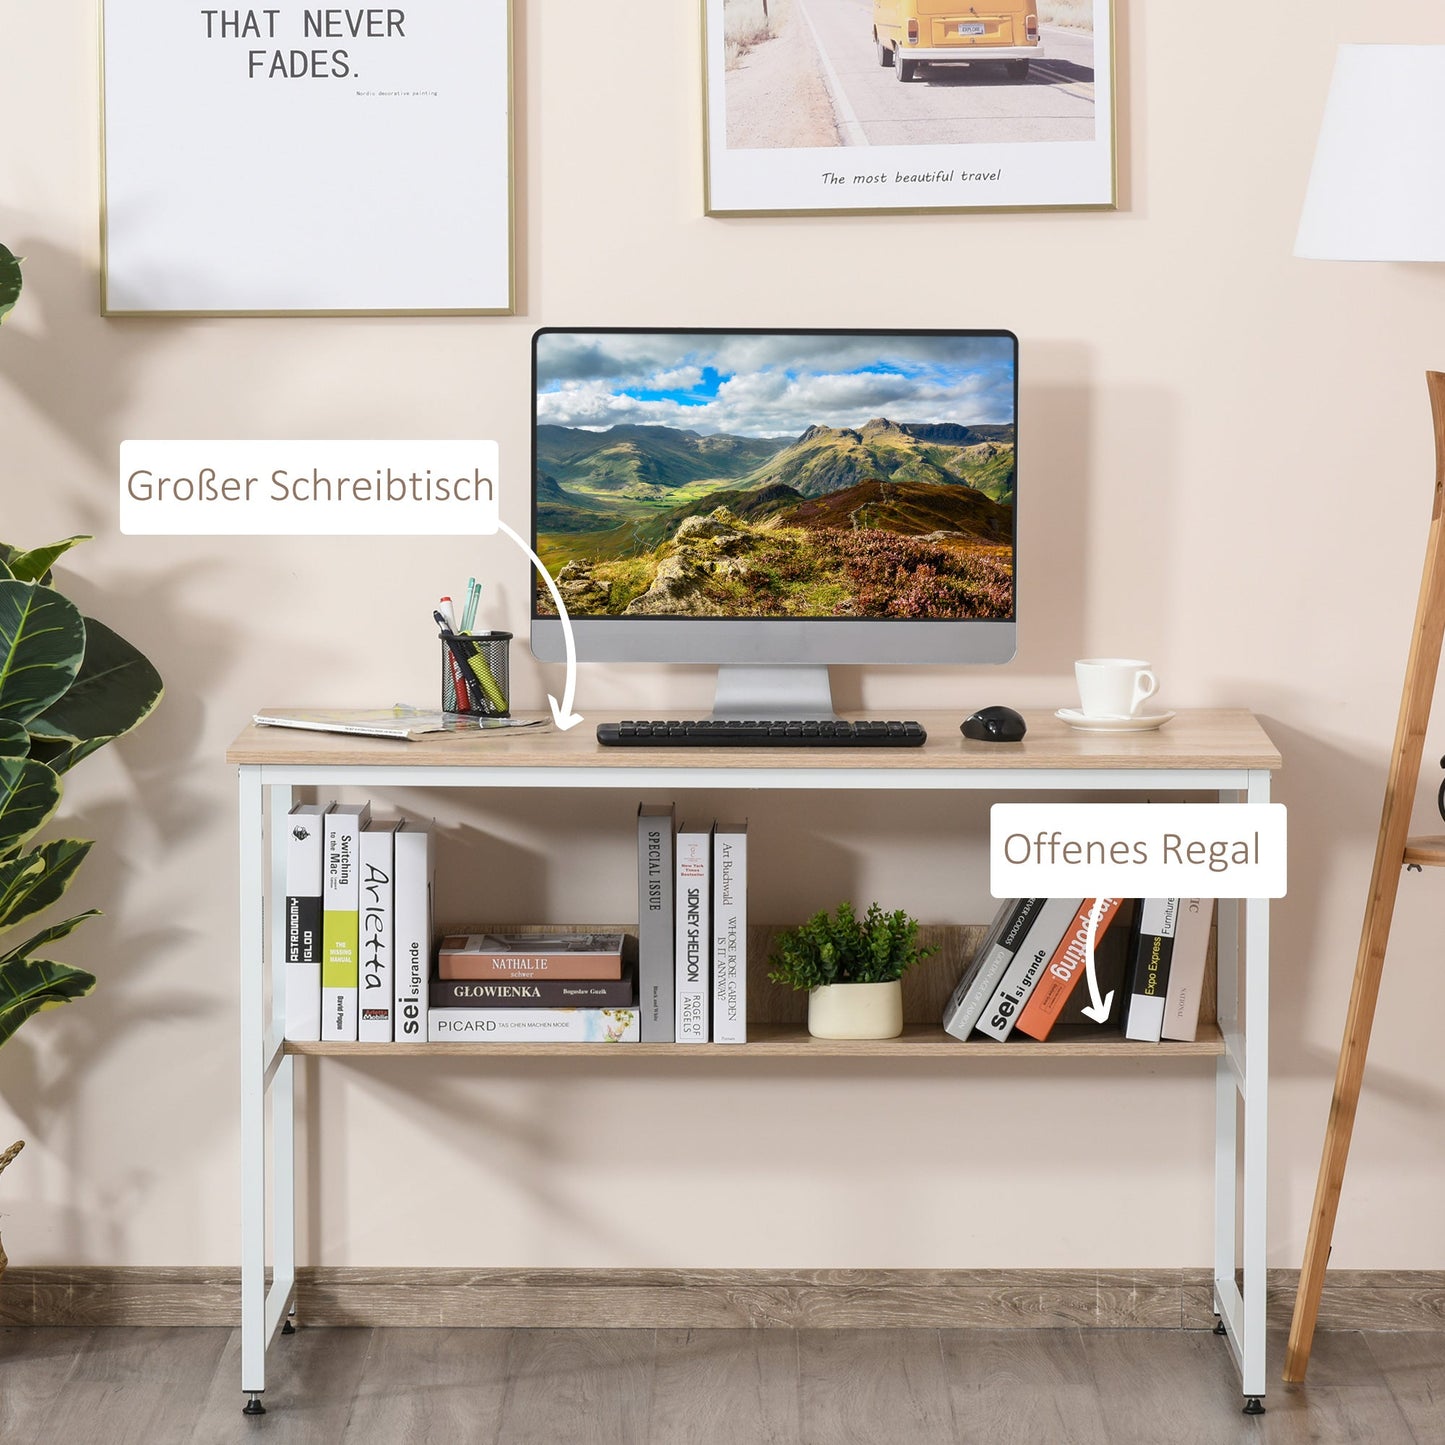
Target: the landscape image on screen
(758, 475)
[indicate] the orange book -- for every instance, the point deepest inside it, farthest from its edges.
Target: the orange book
(1064, 970)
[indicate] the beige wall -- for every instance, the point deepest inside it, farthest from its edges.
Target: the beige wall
(1226, 468)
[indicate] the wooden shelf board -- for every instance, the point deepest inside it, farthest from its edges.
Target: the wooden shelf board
(918, 1041)
(1426, 852)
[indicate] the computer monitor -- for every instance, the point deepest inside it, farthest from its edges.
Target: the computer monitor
(775, 501)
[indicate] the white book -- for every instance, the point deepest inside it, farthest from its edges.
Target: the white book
(534, 1025)
(1186, 969)
(1149, 969)
(412, 936)
(730, 933)
(340, 920)
(974, 989)
(1027, 967)
(304, 830)
(377, 933)
(694, 933)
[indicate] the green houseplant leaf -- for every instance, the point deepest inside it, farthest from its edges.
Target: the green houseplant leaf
(28, 985)
(39, 879)
(10, 281)
(29, 794)
(35, 565)
(42, 642)
(115, 689)
(56, 931)
(14, 740)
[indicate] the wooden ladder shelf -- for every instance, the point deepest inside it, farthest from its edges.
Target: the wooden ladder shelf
(1394, 850)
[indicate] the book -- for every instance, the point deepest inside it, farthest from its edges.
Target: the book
(694, 933)
(730, 933)
(530, 955)
(341, 919)
(376, 926)
(1149, 969)
(656, 934)
(1064, 973)
(1111, 959)
(304, 836)
(412, 932)
(400, 722)
(545, 993)
(1186, 969)
(535, 1025)
(1001, 1011)
(989, 964)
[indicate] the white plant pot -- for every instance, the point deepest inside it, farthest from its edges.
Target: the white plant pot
(856, 1011)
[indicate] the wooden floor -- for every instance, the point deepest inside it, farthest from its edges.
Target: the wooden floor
(743, 1387)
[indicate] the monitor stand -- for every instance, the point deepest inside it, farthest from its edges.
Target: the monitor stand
(776, 691)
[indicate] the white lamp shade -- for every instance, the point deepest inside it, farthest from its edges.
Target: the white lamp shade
(1377, 190)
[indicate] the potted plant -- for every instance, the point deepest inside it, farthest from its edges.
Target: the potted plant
(851, 968)
(68, 686)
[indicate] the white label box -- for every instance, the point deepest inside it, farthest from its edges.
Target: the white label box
(309, 488)
(1138, 850)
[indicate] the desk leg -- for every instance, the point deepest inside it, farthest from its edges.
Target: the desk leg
(283, 1096)
(253, 1087)
(1256, 1122)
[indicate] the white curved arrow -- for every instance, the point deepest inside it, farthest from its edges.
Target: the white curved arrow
(1096, 1009)
(562, 713)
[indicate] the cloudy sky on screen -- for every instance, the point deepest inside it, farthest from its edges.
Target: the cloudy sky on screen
(767, 385)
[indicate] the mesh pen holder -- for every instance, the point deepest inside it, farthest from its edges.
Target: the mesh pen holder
(475, 677)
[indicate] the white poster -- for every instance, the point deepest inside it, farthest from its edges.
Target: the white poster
(908, 105)
(300, 158)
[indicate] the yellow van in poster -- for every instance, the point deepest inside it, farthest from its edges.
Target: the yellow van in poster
(910, 33)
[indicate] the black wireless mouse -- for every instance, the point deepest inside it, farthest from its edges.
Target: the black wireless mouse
(994, 725)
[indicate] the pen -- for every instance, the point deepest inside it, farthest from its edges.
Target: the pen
(474, 595)
(446, 612)
(464, 684)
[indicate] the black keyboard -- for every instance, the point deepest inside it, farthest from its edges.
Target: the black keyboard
(727, 733)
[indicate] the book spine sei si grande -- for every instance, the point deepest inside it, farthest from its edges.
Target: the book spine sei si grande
(376, 924)
(304, 842)
(1001, 1011)
(730, 933)
(1186, 969)
(1066, 969)
(1149, 969)
(340, 920)
(694, 933)
(989, 964)
(412, 936)
(656, 930)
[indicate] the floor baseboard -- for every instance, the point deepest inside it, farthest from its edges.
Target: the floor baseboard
(712, 1298)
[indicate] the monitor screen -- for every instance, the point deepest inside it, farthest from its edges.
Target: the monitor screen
(770, 477)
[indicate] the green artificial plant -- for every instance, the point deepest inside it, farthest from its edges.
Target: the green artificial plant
(9, 281)
(68, 686)
(843, 948)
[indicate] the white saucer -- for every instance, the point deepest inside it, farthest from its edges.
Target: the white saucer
(1142, 723)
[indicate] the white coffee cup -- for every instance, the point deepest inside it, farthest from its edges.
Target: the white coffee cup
(1113, 686)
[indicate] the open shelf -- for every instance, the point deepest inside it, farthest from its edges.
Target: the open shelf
(918, 1041)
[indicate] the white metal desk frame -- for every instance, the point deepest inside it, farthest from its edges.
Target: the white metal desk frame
(1241, 1073)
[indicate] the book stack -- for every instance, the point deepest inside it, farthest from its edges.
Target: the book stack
(1031, 971)
(692, 912)
(534, 988)
(358, 930)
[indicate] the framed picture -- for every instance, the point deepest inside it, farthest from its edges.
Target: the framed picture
(304, 160)
(816, 106)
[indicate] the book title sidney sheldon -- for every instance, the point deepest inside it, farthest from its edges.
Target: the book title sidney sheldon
(309, 488)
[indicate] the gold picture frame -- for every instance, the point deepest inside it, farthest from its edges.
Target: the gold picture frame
(140, 253)
(809, 51)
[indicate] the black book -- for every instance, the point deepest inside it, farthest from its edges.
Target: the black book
(536, 992)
